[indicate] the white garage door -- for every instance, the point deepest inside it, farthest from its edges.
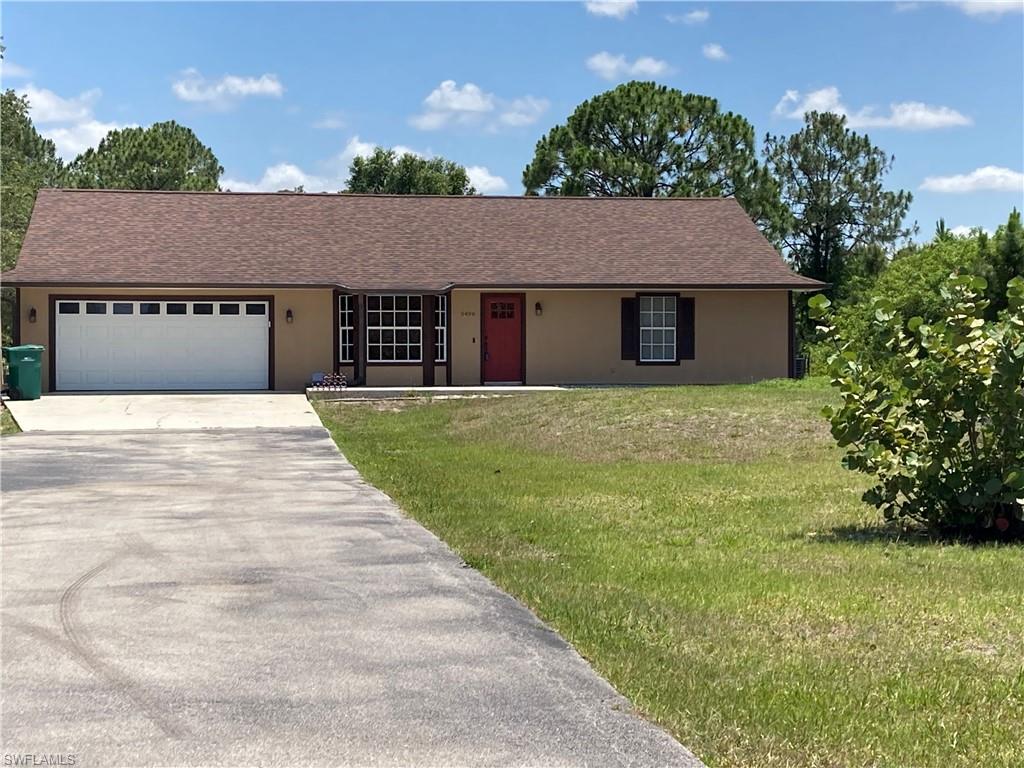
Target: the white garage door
(194, 344)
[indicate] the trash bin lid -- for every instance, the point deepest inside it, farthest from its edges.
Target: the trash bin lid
(25, 348)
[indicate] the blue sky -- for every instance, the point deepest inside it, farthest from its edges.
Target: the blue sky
(286, 94)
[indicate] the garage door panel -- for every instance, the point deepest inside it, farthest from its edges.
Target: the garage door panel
(73, 380)
(119, 380)
(131, 350)
(96, 378)
(120, 332)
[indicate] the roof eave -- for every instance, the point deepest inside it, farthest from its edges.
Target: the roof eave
(9, 279)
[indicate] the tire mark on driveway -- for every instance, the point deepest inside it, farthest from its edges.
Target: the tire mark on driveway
(78, 643)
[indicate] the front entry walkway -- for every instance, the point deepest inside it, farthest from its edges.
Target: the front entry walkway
(225, 598)
(152, 410)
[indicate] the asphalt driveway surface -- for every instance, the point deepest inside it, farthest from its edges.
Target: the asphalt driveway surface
(244, 598)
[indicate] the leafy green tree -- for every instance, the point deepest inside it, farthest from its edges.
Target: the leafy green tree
(1002, 259)
(943, 435)
(912, 283)
(647, 140)
(832, 185)
(164, 156)
(27, 162)
(386, 172)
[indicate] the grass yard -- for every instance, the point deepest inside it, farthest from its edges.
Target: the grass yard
(704, 550)
(8, 426)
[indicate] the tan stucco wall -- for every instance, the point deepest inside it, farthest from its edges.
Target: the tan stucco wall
(394, 375)
(740, 336)
(300, 348)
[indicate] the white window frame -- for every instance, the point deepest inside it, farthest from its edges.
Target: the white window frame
(658, 328)
(346, 327)
(375, 356)
(441, 328)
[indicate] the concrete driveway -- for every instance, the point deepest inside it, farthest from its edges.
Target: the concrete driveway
(243, 598)
(156, 410)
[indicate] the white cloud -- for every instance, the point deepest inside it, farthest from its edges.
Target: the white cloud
(194, 87)
(449, 97)
(616, 9)
(451, 103)
(330, 122)
(965, 231)
(715, 52)
(485, 182)
(9, 69)
(68, 122)
(906, 115)
(431, 121)
(73, 140)
(990, 8)
(469, 105)
(332, 177)
(279, 177)
(523, 111)
(353, 149)
(910, 116)
(400, 150)
(792, 104)
(988, 178)
(616, 66)
(333, 174)
(46, 106)
(982, 9)
(693, 17)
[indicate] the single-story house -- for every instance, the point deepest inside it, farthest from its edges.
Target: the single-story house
(211, 290)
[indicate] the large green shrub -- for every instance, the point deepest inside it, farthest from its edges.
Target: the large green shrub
(911, 281)
(941, 425)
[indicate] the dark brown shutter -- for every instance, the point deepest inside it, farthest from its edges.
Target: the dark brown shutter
(359, 333)
(427, 351)
(630, 334)
(685, 328)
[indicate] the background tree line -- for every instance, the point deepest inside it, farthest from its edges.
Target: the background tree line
(819, 194)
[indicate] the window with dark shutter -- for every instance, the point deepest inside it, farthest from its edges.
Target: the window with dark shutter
(658, 324)
(685, 317)
(629, 329)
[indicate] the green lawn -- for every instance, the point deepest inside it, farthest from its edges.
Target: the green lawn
(8, 426)
(702, 547)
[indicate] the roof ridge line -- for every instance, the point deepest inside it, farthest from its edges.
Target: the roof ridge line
(287, 193)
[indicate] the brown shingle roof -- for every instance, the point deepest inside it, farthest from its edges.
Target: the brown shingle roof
(376, 242)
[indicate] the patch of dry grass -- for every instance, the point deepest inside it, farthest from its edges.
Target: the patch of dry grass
(8, 426)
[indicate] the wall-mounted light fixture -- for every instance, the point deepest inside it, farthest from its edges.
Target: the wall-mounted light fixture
(289, 316)
(31, 314)
(538, 310)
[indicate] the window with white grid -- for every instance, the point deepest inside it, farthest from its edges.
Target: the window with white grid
(441, 329)
(657, 329)
(346, 328)
(394, 327)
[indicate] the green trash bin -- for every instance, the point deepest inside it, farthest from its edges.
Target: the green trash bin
(25, 371)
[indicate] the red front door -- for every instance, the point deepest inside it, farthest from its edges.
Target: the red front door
(502, 330)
